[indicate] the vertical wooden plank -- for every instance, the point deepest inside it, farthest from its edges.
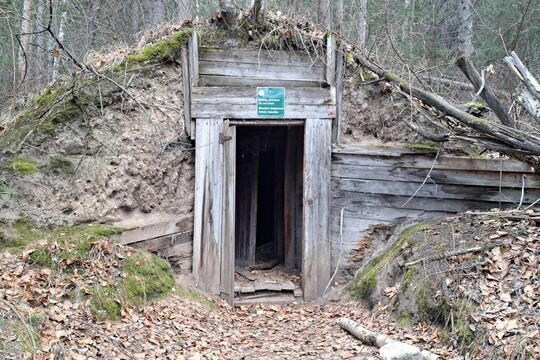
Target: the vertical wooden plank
(316, 207)
(201, 169)
(194, 59)
(299, 195)
(213, 208)
(228, 214)
(336, 131)
(331, 60)
(186, 81)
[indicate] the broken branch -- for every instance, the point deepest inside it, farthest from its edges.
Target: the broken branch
(485, 91)
(448, 254)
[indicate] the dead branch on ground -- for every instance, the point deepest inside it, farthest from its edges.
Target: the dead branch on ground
(372, 338)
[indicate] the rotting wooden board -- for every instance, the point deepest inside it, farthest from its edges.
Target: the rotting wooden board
(379, 212)
(231, 111)
(351, 200)
(217, 80)
(436, 191)
(260, 56)
(248, 95)
(274, 71)
(186, 82)
(183, 224)
(267, 298)
(316, 207)
(439, 176)
(403, 158)
(164, 242)
(201, 160)
(228, 213)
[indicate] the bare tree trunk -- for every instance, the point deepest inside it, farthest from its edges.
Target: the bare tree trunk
(24, 50)
(340, 14)
(185, 10)
(96, 11)
(40, 69)
(457, 25)
(362, 23)
(229, 11)
(61, 35)
(465, 29)
(257, 4)
(158, 12)
(324, 14)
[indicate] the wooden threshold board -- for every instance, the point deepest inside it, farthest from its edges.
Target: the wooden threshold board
(269, 297)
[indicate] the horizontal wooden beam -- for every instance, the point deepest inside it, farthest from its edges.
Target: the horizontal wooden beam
(250, 111)
(182, 225)
(461, 176)
(248, 95)
(280, 122)
(241, 103)
(431, 190)
(260, 56)
(218, 80)
(262, 71)
(424, 161)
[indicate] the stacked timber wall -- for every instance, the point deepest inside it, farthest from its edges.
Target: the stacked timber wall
(172, 240)
(384, 186)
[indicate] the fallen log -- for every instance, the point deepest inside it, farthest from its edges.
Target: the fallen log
(486, 93)
(372, 338)
(520, 144)
(529, 97)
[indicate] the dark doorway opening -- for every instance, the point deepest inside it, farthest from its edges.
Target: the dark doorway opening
(269, 192)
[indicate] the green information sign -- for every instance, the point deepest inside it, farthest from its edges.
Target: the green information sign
(270, 101)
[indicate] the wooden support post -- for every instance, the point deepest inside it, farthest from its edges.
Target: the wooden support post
(336, 129)
(228, 214)
(186, 82)
(194, 59)
(316, 207)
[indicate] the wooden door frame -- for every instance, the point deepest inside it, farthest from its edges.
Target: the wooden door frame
(214, 235)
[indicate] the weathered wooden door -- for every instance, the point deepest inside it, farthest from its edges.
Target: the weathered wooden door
(208, 205)
(316, 208)
(213, 235)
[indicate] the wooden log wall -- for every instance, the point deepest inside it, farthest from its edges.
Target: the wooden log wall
(227, 80)
(376, 186)
(172, 240)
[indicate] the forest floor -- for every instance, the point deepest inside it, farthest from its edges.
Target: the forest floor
(47, 310)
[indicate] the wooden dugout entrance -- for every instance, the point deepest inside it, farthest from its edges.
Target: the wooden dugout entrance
(259, 179)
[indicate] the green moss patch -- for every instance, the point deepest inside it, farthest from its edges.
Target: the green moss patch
(104, 304)
(365, 283)
(148, 278)
(78, 238)
(163, 50)
(428, 146)
(22, 165)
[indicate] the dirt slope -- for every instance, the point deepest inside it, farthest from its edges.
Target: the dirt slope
(50, 310)
(475, 276)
